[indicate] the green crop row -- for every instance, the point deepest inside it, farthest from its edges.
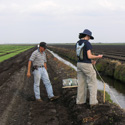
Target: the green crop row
(1, 53)
(16, 49)
(9, 48)
(12, 50)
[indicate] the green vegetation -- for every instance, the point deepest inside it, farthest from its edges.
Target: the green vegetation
(107, 96)
(1, 53)
(111, 68)
(120, 72)
(8, 51)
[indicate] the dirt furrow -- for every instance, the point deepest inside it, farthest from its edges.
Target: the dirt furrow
(18, 106)
(51, 113)
(10, 94)
(8, 67)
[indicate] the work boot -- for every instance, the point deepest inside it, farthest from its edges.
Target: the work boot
(84, 105)
(54, 98)
(93, 105)
(39, 100)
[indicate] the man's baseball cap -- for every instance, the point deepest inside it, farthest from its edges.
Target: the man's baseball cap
(43, 44)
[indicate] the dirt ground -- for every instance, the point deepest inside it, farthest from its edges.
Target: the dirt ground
(18, 105)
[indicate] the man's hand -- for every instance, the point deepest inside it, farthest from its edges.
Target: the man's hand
(28, 74)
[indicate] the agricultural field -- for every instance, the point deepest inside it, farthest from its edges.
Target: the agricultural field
(116, 52)
(8, 51)
(19, 107)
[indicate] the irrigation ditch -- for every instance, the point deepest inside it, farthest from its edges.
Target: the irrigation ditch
(18, 105)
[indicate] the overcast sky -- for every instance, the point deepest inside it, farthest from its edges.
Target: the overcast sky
(61, 21)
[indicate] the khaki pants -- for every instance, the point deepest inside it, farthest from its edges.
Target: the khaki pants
(86, 76)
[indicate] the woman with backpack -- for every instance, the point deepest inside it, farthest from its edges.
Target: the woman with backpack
(85, 72)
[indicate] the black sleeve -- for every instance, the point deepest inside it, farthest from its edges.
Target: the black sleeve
(88, 46)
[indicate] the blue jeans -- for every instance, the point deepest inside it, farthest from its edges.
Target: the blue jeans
(41, 73)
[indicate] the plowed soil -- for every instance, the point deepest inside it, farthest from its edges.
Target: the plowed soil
(19, 107)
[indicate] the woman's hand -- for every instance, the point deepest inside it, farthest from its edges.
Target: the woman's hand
(100, 56)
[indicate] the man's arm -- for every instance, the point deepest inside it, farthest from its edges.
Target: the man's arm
(90, 56)
(29, 67)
